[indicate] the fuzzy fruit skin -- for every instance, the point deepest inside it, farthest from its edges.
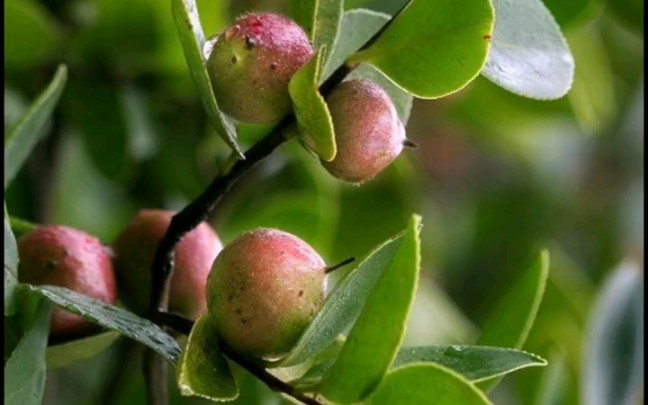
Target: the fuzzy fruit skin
(368, 131)
(251, 64)
(66, 257)
(134, 250)
(264, 289)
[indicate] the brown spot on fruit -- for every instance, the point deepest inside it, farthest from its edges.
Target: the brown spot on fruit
(275, 315)
(272, 37)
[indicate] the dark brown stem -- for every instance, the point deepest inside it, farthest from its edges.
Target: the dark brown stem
(196, 212)
(268, 379)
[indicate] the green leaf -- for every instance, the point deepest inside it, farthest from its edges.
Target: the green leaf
(344, 304)
(32, 35)
(203, 370)
(612, 372)
(433, 49)
(78, 350)
(25, 370)
(376, 336)
(474, 363)
(113, 318)
(24, 134)
(529, 55)
(313, 117)
(319, 365)
(10, 266)
(401, 99)
(512, 319)
(90, 105)
(320, 19)
(191, 35)
(426, 384)
(356, 28)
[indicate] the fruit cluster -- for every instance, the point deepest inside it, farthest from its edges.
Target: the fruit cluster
(262, 289)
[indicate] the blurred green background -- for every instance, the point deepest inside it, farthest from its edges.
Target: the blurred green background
(497, 177)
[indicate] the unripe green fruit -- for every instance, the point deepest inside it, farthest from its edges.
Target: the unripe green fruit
(251, 64)
(66, 257)
(134, 251)
(264, 289)
(368, 132)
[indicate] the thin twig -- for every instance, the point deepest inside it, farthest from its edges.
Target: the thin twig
(268, 379)
(196, 212)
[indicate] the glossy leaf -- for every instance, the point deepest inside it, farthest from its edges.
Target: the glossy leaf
(529, 56)
(320, 19)
(612, 372)
(113, 318)
(433, 49)
(78, 350)
(191, 35)
(38, 33)
(309, 381)
(511, 320)
(313, 117)
(401, 99)
(10, 266)
(344, 304)
(474, 363)
(25, 370)
(374, 340)
(203, 370)
(423, 384)
(356, 28)
(27, 131)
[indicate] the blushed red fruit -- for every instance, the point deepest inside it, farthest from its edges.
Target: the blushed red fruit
(251, 64)
(194, 255)
(264, 289)
(66, 257)
(368, 132)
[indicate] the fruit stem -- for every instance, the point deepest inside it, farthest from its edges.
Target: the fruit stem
(343, 263)
(408, 143)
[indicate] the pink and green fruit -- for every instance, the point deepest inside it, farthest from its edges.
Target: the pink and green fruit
(264, 289)
(368, 132)
(134, 250)
(65, 257)
(251, 64)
